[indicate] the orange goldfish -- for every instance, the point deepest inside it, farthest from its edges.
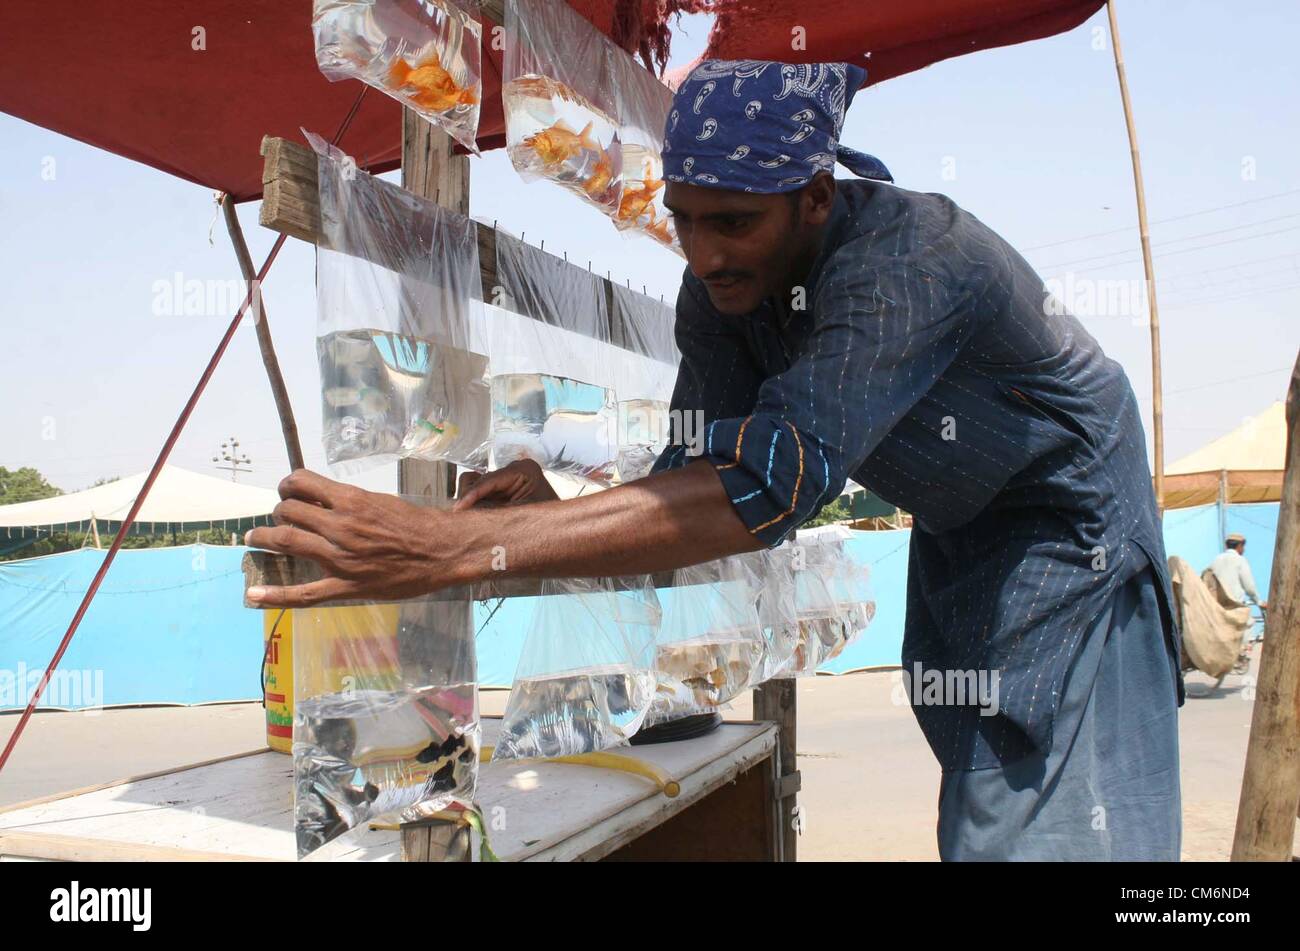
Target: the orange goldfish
(659, 229)
(598, 182)
(437, 90)
(637, 195)
(559, 143)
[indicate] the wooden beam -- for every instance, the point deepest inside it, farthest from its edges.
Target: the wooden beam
(271, 568)
(291, 205)
(1270, 788)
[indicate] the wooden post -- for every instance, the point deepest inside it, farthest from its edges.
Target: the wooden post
(431, 169)
(776, 700)
(1223, 505)
(1157, 398)
(288, 426)
(1270, 788)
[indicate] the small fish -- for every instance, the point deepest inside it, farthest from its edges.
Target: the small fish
(598, 182)
(437, 90)
(559, 143)
(659, 230)
(637, 194)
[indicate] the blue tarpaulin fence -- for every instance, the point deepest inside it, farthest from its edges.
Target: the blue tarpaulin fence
(168, 625)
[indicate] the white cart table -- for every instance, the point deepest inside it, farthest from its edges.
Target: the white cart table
(240, 808)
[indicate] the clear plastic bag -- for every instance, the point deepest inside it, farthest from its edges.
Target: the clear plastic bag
(552, 400)
(777, 615)
(710, 646)
(818, 619)
(426, 54)
(585, 677)
(645, 327)
(397, 287)
(385, 713)
(558, 95)
(851, 588)
(644, 103)
(563, 394)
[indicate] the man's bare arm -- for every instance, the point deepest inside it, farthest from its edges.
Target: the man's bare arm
(374, 546)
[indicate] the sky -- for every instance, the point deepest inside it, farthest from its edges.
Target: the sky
(95, 366)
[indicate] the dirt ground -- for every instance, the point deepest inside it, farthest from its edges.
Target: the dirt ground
(870, 785)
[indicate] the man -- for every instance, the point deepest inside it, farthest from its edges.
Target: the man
(1233, 572)
(834, 329)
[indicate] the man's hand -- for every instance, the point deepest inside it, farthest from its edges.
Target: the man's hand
(370, 546)
(520, 481)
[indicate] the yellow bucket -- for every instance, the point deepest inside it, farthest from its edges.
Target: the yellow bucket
(361, 653)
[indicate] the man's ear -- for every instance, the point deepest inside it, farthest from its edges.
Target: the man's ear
(818, 197)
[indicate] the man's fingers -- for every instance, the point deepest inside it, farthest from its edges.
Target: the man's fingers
(310, 487)
(481, 487)
(298, 596)
(466, 481)
(290, 540)
(304, 515)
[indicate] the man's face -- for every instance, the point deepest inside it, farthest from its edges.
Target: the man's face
(745, 246)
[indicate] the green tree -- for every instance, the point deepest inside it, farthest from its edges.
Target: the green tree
(24, 485)
(837, 511)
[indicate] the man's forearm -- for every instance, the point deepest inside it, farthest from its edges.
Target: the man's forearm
(669, 520)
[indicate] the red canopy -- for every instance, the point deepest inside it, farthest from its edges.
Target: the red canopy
(127, 77)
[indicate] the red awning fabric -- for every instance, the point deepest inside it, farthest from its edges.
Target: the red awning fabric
(127, 77)
(887, 37)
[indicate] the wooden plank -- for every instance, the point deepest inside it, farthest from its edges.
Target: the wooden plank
(273, 568)
(291, 204)
(65, 848)
(55, 797)
(1270, 788)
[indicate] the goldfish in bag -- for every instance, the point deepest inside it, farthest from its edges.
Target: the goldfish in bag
(436, 90)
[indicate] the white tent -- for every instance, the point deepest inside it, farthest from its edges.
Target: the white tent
(179, 501)
(1245, 465)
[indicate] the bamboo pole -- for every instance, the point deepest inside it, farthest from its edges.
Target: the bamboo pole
(292, 446)
(1157, 400)
(1270, 786)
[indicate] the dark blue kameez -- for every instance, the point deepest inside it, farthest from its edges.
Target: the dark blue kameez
(930, 367)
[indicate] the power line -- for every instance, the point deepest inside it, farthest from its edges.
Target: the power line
(1166, 254)
(1162, 221)
(1176, 292)
(1190, 237)
(1226, 267)
(1232, 297)
(1213, 383)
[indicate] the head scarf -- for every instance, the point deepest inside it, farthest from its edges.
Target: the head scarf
(759, 126)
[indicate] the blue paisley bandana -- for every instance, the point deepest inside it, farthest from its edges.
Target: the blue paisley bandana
(759, 126)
